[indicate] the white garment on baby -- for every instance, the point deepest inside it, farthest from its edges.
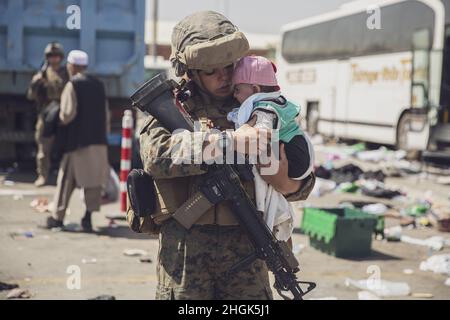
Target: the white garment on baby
(278, 212)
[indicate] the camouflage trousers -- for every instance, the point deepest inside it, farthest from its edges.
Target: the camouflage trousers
(44, 148)
(193, 265)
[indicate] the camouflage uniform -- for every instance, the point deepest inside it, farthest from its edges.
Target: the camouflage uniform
(193, 264)
(52, 84)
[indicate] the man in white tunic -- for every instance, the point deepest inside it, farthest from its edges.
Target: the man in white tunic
(84, 119)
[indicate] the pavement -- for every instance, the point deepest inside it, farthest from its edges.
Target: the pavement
(74, 265)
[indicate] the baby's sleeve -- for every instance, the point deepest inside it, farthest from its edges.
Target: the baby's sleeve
(265, 120)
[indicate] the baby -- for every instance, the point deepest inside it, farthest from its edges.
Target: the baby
(256, 88)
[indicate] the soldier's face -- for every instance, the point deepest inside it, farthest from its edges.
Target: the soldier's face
(218, 81)
(54, 61)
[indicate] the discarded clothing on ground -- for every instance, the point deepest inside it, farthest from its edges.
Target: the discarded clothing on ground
(347, 173)
(378, 190)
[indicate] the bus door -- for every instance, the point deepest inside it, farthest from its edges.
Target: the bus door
(444, 117)
(440, 135)
(413, 128)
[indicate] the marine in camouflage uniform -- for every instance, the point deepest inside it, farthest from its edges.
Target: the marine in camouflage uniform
(45, 89)
(193, 264)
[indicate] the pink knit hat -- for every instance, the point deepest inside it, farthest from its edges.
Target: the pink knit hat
(255, 70)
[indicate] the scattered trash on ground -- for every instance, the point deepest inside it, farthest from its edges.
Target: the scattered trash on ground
(381, 288)
(89, 260)
(375, 208)
(393, 233)
(367, 295)
(17, 197)
(19, 235)
(103, 297)
(417, 210)
(440, 218)
(378, 190)
(435, 243)
(135, 252)
(41, 205)
(348, 187)
(347, 173)
(437, 264)
(110, 192)
(408, 271)
(298, 248)
(19, 294)
(7, 286)
(381, 154)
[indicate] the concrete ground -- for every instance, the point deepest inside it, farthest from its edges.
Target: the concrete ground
(45, 261)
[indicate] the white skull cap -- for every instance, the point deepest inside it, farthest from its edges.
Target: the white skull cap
(78, 57)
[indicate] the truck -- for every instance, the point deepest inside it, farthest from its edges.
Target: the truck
(110, 31)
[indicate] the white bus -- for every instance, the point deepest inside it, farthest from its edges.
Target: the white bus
(388, 85)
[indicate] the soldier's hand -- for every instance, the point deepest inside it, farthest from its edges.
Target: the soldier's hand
(38, 77)
(251, 141)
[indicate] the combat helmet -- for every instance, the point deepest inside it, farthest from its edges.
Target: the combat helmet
(54, 48)
(206, 40)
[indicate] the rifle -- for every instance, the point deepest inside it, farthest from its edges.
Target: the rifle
(41, 90)
(222, 183)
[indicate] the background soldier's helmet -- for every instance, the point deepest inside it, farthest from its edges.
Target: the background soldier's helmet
(54, 48)
(204, 41)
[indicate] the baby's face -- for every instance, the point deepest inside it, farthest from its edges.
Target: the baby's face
(242, 91)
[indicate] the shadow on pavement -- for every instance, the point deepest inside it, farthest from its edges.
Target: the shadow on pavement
(375, 255)
(28, 177)
(123, 232)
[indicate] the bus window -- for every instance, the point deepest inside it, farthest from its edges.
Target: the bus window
(349, 36)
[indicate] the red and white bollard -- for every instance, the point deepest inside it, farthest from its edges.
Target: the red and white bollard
(125, 159)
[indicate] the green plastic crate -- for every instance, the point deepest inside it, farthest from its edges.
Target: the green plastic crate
(341, 232)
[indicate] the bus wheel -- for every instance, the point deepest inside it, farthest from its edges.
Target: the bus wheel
(404, 126)
(312, 119)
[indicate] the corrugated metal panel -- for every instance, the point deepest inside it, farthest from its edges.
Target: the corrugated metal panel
(112, 33)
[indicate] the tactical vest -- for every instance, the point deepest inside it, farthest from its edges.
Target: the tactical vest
(56, 82)
(89, 125)
(286, 113)
(172, 193)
